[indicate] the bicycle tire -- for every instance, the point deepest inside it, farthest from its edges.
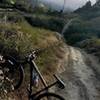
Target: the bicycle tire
(49, 95)
(16, 67)
(21, 78)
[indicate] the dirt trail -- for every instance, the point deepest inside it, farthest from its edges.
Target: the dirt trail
(80, 76)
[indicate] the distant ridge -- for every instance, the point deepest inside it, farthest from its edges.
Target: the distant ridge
(89, 11)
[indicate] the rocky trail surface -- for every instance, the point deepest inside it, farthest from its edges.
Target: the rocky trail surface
(81, 76)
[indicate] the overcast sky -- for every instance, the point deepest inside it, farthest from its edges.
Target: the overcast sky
(72, 4)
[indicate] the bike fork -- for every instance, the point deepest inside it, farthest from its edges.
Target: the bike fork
(29, 89)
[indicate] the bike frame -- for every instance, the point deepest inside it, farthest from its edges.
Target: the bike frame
(30, 60)
(46, 87)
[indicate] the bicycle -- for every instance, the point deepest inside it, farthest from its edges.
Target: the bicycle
(42, 94)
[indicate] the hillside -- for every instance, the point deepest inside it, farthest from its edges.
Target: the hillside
(85, 27)
(18, 38)
(88, 11)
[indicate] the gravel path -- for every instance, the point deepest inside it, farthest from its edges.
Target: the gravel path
(80, 76)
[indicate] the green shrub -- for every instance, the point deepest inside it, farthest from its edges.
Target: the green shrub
(47, 22)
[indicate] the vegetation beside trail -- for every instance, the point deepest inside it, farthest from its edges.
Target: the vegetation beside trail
(84, 32)
(18, 38)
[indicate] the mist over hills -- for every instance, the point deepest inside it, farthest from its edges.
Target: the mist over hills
(68, 5)
(88, 11)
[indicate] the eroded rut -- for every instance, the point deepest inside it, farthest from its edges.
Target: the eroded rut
(80, 77)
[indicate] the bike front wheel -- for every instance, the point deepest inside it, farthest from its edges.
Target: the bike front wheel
(15, 72)
(49, 96)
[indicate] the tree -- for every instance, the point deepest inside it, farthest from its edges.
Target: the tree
(62, 10)
(1, 1)
(12, 1)
(98, 2)
(8, 1)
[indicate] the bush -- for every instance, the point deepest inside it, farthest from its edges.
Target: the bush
(47, 22)
(79, 31)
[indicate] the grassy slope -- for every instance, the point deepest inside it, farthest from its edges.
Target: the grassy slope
(20, 38)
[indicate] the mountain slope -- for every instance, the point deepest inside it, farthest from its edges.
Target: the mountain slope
(88, 11)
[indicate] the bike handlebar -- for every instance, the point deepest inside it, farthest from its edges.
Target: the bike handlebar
(32, 55)
(29, 57)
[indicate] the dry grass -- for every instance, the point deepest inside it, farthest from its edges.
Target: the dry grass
(27, 38)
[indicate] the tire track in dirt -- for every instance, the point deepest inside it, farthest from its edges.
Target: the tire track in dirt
(81, 81)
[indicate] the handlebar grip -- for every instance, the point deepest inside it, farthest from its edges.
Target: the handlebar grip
(60, 82)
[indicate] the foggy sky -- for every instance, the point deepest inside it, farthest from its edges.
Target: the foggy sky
(70, 4)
